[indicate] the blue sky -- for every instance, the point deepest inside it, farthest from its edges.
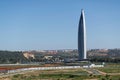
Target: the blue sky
(53, 24)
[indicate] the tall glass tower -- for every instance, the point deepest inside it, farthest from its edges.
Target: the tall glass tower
(82, 37)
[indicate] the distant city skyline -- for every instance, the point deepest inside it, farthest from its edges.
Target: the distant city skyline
(50, 25)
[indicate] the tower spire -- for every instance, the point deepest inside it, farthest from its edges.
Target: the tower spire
(82, 37)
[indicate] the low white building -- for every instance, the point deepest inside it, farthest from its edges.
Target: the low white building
(93, 65)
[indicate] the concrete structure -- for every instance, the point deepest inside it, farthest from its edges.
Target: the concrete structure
(82, 37)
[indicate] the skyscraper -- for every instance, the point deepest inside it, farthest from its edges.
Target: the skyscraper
(82, 37)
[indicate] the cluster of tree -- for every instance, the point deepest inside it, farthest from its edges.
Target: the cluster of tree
(11, 57)
(104, 59)
(113, 55)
